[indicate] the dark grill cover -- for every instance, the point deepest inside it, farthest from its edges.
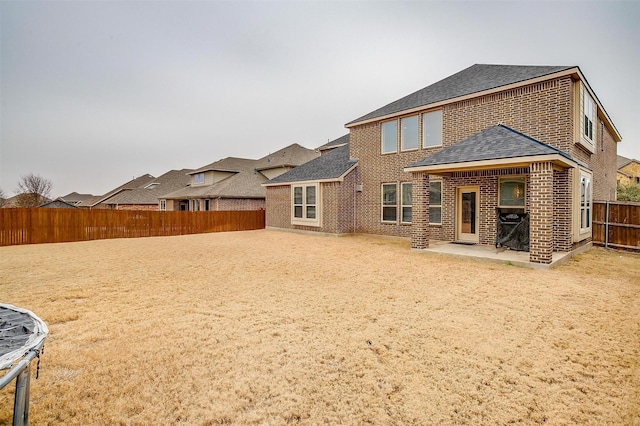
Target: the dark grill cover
(512, 229)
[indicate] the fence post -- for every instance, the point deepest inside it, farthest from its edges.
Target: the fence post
(606, 226)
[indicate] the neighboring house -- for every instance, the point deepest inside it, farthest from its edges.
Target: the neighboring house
(97, 202)
(449, 161)
(58, 203)
(20, 200)
(628, 171)
(148, 196)
(235, 183)
(75, 199)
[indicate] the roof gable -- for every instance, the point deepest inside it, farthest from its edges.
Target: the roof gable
(290, 156)
(476, 78)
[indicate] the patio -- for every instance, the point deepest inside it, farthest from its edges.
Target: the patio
(498, 255)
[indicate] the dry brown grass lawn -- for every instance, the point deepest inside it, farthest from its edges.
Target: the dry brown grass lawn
(267, 327)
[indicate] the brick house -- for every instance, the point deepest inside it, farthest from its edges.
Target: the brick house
(449, 161)
(234, 183)
(628, 171)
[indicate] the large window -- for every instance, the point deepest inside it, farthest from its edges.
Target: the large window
(409, 133)
(585, 202)
(389, 202)
(511, 192)
(588, 110)
(198, 178)
(305, 205)
(435, 202)
(432, 129)
(406, 203)
(390, 136)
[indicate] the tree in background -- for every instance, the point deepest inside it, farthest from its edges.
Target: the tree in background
(629, 192)
(33, 190)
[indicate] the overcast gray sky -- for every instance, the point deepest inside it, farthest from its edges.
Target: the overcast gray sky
(95, 93)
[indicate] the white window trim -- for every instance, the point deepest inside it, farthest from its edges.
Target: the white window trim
(383, 205)
(424, 145)
(162, 205)
(195, 177)
(402, 133)
(524, 198)
(304, 220)
(581, 233)
(382, 151)
(586, 100)
(435, 205)
(402, 205)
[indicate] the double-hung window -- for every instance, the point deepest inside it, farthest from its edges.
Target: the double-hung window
(389, 202)
(305, 205)
(163, 205)
(587, 119)
(390, 136)
(406, 203)
(198, 178)
(409, 133)
(585, 202)
(435, 202)
(432, 129)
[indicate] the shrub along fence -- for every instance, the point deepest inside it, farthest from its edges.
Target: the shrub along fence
(616, 224)
(37, 225)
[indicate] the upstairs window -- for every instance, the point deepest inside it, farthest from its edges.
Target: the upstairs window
(198, 178)
(432, 129)
(407, 204)
(389, 202)
(588, 110)
(409, 133)
(390, 136)
(305, 209)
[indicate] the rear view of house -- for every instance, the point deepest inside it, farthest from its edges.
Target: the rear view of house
(452, 161)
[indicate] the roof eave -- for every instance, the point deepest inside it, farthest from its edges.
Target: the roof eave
(557, 159)
(336, 179)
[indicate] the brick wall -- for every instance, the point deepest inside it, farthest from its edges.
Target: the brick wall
(236, 204)
(541, 213)
(146, 207)
(604, 165)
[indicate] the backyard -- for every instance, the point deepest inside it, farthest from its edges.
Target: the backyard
(268, 327)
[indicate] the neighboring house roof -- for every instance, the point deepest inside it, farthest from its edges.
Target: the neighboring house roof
(492, 144)
(229, 164)
(290, 156)
(476, 78)
(328, 167)
(58, 203)
(624, 161)
(75, 198)
(245, 183)
(132, 184)
(342, 140)
(152, 191)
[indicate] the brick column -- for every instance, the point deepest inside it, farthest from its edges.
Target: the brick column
(562, 202)
(420, 211)
(541, 213)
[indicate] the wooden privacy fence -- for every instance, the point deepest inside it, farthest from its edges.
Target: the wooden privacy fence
(37, 225)
(616, 224)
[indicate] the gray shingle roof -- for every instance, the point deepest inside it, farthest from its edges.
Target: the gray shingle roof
(329, 166)
(132, 184)
(342, 140)
(151, 191)
(494, 143)
(623, 161)
(229, 164)
(474, 79)
(291, 156)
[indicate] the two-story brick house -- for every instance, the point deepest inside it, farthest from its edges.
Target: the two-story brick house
(444, 162)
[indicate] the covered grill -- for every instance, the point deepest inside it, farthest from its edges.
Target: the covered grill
(512, 229)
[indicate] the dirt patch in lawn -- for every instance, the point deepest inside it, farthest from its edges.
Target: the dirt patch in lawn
(268, 327)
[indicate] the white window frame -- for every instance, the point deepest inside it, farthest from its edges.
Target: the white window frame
(403, 125)
(198, 178)
(406, 204)
(383, 139)
(162, 205)
(588, 112)
(433, 206)
(305, 204)
(524, 194)
(427, 130)
(586, 201)
(383, 205)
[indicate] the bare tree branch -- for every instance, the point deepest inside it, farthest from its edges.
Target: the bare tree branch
(33, 190)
